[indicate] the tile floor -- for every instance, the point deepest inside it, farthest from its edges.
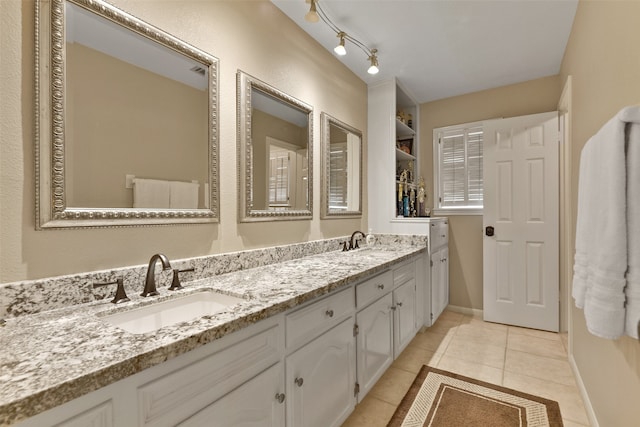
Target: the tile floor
(528, 360)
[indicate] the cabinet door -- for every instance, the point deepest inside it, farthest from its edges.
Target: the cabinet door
(257, 403)
(321, 378)
(374, 342)
(404, 301)
(423, 291)
(439, 282)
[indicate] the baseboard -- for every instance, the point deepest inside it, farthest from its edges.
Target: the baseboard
(465, 310)
(583, 392)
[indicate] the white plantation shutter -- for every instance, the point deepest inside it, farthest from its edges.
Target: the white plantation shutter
(279, 179)
(460, 167)
(338, 182)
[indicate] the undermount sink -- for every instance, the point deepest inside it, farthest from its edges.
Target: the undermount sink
(181, 309)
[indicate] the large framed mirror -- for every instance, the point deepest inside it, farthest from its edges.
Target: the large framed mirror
(341, 169)
(127, 130)
(275, 153)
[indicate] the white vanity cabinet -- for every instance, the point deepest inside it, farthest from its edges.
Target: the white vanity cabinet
(321, 374)
(439, 262)
(386, 326)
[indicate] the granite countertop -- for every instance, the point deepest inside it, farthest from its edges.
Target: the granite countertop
(50, 358)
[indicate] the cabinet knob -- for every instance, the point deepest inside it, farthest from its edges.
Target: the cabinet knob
(329, 313)
(393, 307)
(380, 286)
(280, 397)
(299, 381)
(399, 304)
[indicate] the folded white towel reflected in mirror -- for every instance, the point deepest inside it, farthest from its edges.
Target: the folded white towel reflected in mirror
(151, 193)
(183, 195)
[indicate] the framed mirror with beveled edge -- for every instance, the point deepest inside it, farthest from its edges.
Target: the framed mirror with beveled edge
(127, 130)
(341, 195)
(274, 153)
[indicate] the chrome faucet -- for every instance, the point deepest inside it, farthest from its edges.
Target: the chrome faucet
(353, 243)
(150, 281)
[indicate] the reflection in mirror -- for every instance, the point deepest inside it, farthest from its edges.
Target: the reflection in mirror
(127, 115)
(342, 169)
(274, 141)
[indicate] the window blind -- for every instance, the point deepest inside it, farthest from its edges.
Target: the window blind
(461, 183)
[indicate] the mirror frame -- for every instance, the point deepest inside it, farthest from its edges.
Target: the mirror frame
(326, 121)
(245, 85)
(50, 54)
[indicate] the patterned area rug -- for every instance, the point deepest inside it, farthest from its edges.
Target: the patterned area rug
(443, 399)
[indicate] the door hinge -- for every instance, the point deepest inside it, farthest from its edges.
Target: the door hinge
(431, 316)
(356, 329)
(356, 389)
(431, 261)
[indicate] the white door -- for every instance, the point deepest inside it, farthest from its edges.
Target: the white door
(521, 205)
(404, 299)
(374, 343)
(260, 402)
(321, 379)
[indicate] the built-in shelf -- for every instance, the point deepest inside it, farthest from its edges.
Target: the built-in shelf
(401, 155)
(403, 131)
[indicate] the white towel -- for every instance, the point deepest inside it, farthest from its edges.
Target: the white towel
(632, 291)
(602, 231)
(150, 193)
(184, 195)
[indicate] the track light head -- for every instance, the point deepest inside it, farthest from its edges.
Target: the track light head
(312, 15)
(340, 49)
(373, 59)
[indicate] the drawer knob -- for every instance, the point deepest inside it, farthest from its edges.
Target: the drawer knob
(299, 381)
(444, 235)
(280, 397)
(399, 304)
(329, 313)
(393, 308)
(380, 286)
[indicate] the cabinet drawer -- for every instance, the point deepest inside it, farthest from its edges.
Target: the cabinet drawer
(314, 319)
(403, 273)
(374, 288)
(178, 395)
(439, 234)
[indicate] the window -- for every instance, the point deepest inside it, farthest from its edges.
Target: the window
(458, 169)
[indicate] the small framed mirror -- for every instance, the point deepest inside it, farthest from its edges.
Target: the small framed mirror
(341, 169)
(127, 130)
(275, 134)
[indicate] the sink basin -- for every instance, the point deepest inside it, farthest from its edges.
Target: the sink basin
(155, 316)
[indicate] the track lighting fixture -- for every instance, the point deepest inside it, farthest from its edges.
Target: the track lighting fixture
(373, 69)
(340, 50)
(316, 13)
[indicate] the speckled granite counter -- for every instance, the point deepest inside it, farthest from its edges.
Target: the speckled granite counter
(52, 357)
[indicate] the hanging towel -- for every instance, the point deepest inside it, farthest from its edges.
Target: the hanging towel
(184, 195)
(602, 230)
(633, 230)
(150, 193)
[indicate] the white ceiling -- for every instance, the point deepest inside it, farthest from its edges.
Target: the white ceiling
(443, 48)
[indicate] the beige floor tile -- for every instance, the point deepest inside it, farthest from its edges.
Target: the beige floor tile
(371, 412)
(554, 336)
(393, 385)
(469, 369)
(478, 322)
(539, 346)
(450, 316)
(569, 423)
(564, 337)
(476, 352)
(413, 358)
(432, 341)
(477, 331)
(545, 368)
(443, 326)
(568, 397)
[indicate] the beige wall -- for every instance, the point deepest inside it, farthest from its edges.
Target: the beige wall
(253, 36)
(465, 244)
(602, 58)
